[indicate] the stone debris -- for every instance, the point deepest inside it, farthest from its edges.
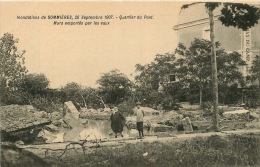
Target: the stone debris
(22, 122)
(70, 120)
(237, 114)
(70, 108)
(47, 137)
(161, 128)
(56, 116)
(73, 134)
(59, 138)
(16, 117)
(52, 128)
(28, 123)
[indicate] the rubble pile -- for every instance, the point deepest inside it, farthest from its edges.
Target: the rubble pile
(99, 114)
(189, 120)
(73, 126)
(22, 122)
(29, 125)
(70, 108)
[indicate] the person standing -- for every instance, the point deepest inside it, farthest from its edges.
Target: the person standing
(139, 119)
(117, 122)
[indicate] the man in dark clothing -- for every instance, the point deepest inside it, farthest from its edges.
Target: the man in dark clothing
(117, 122)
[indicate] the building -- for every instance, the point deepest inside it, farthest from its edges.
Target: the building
(194, 23)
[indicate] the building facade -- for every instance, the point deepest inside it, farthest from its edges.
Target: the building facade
(194, 23)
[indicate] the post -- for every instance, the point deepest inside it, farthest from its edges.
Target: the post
(214, 72)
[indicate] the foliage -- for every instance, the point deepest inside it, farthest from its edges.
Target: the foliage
(194, 66)
(238, 15)
(156, 72)
(126, 107)
(91, 96)
(73, 92)
(152, 82)
(12, 61)
(81, 96)
(11, 67)
(34, 84)
(194, 69)
(233, 94)
(242, 16)
(255, 69)
(252, 78)
(15, 97)
(115, 87)
(45, 104)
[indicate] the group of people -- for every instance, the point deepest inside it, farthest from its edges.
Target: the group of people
(118, 121)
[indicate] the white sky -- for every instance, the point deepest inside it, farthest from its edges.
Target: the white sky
(81, 53)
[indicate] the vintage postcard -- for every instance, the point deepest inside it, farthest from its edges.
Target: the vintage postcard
(130, 83)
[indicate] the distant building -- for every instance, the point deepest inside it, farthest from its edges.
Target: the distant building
(194, 23)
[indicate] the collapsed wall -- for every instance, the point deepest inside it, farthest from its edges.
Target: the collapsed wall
(21, 122)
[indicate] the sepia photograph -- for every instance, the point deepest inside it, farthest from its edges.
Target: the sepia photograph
(130, 83)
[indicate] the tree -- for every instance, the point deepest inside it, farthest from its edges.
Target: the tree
(153, 82)
(74, 92)
(194, 69)
(238, 15)
(34, 84)
(115, 87)
(255, 74)
(12, 61)
(255, 69)
(156, 72)
(11, 65)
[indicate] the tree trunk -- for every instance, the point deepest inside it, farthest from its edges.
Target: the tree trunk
(85, 104)
(200, 97)
(258, 96)
(214, 72)
(258, 77)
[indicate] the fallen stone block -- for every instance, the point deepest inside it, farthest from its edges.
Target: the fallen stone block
(162, 128)
(70, 120)
(59, 138)
(70, 108)
(21, 122)
(73, 134)
(45, 136)
(237, 114)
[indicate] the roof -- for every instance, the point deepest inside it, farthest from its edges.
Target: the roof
(16, 117)
(195, 14)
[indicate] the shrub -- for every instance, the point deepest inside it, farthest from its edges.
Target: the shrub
(127, 107)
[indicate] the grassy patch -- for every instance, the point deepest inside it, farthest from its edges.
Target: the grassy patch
(234, 150)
